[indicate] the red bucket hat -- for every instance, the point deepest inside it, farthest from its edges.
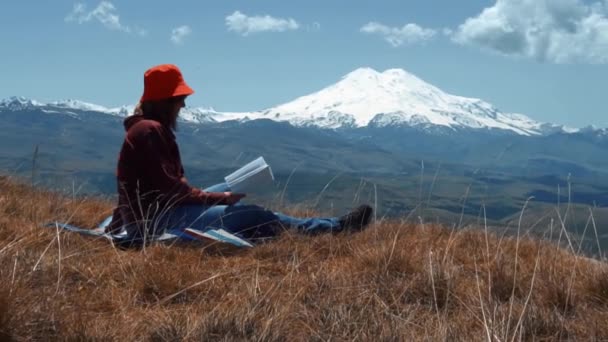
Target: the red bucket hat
(164, 81)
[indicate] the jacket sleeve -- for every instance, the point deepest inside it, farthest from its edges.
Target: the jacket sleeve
(163, 168)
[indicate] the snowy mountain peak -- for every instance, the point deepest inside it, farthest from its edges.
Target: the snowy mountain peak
(390, 77)
(78, 105)
(75, 108)
(394, 97)
(18, 103)
(22, 103)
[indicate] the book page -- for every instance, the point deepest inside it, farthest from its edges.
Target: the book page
(245, 170)
(251, 177)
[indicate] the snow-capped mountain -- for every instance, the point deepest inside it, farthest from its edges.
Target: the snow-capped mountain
(364, 97)
(75, 108)
(17, 103)
(396, 98)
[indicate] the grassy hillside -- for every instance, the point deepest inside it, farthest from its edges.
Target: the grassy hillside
(452, 173)
(394, 281)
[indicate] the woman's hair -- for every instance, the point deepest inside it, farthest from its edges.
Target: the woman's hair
(159, 111)
(138, 110)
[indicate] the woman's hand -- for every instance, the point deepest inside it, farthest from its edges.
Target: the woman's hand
(232, 198)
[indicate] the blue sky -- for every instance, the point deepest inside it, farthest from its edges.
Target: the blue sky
(543, 58)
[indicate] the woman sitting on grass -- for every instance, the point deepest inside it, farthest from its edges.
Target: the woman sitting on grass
(154, 194)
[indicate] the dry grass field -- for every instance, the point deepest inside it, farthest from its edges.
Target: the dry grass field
(394, 281)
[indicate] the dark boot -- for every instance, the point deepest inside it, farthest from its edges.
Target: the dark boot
(357, 219)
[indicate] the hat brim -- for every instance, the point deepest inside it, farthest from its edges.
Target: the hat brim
(183, 90)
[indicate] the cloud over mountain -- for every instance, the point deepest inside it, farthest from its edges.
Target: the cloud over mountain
(397, 36)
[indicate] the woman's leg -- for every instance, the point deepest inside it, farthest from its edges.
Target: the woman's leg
(356, 220)
(305, 225)
(248, 221)
(314, 225)
(252, 221)
(197, 217)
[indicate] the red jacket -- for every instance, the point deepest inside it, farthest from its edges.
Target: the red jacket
(150, 175)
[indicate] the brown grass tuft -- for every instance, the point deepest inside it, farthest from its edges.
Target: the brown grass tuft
(597, 287)
(394, 281)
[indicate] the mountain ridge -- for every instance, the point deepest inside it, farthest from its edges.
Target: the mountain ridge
(363, 97)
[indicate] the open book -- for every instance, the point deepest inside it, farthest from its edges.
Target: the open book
(251, 177)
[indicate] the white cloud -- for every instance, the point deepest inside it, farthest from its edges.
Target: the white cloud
(397, 36)
(105, 13)
(178, 34)
(558, 31)
(245, 25)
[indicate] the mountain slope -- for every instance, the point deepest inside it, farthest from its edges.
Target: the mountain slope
(78, 142)
(393, 281)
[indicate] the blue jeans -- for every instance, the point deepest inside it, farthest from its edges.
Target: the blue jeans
(249, 221)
